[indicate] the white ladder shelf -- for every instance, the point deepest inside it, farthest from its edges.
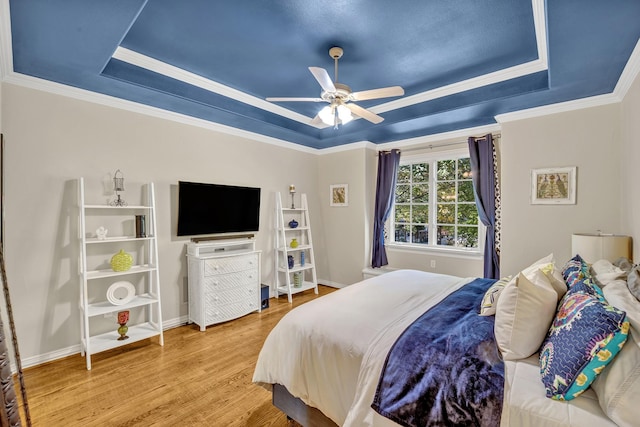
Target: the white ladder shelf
(302, 275)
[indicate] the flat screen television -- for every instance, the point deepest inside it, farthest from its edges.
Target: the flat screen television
(214, 208)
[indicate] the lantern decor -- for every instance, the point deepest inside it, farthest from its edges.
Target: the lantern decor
(292, 191)
(123, 318)
(118, 185)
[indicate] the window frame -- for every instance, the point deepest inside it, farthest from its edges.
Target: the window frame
(432, 159)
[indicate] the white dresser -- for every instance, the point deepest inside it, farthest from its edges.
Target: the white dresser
(224, 280)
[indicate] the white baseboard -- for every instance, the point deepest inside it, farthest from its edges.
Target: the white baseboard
(331, 284)
(28, 362)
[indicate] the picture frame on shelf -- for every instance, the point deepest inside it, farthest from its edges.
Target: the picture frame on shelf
(553, 186)
(339, 195)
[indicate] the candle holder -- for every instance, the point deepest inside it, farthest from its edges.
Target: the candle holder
(118, 186)
(123, 318)
(292, 191)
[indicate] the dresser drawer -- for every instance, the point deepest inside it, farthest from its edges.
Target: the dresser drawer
(247, 292)
(230, 264)
(223, 282)
(222, 313)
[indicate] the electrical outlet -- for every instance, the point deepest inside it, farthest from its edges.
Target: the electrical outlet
(433, 263)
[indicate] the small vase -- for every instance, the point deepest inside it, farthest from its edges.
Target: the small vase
(293, 223)
(290, 261)
(121, 261)
(294, 243)
(123, 318)
(297, 279)
(302, 258)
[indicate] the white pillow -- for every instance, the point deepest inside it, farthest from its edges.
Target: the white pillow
(606, 272)
(618, 385)
(525, 311)
(555, 279)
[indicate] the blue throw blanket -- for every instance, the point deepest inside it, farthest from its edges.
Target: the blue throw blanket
(445, 369)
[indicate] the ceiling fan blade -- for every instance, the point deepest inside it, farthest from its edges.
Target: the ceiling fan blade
(294, 99)
(383, 92)
(364, 113)
(323, 78)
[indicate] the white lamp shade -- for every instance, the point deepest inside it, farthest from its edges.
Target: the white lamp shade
(594, 247)
(327, 115)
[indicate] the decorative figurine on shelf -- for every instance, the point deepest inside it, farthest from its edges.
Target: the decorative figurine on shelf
(297, 279)
(290, 261)
(101, 232)
(121, 261)
(123, 318)
(293, 223)
(294, 243)
(118, 185)
(302, 258)
(292, 190)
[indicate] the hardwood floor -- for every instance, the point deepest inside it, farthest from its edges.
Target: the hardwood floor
(196, 379)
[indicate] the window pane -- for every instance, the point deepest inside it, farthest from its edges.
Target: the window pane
(446, 170)
(420, 172)
(402, 213)
(464, 168)
(401, 233)
(446, 213)
(420, 193)
(419, 234)
(465, 191)
(467, 214)
(446, 191)
(402, 193)
(404, 173)
(468, 237)
(446, 235)
(420, 214)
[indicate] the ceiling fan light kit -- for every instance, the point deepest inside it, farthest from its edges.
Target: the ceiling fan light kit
(341, 108)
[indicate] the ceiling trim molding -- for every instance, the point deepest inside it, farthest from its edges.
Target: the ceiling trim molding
(151, 64)
(562, 107)
(6, 52)
(629, 73)
(110, 101)
(348, 147)
(432, 141)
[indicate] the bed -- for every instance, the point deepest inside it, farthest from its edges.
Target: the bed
(326, 361)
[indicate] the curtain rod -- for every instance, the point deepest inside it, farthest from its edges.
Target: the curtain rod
(432, 146)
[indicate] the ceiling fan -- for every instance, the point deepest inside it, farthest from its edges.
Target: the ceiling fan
(340, 97)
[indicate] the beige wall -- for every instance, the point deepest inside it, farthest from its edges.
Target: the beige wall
(52, 140)
(587, 138)
(630, 153)
(343, 229)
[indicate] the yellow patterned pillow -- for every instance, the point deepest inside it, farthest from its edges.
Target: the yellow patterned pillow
(490, 299)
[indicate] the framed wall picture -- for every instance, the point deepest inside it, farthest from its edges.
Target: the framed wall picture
(339, 195)
(553, 186)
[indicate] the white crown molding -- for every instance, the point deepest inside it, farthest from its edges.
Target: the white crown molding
(561, 107)
(148, 63)
(629, 73)
(348, 147)
(433, 141)
(6, 55)
(110, 101)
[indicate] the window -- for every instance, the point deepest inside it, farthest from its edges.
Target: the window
(435, 204)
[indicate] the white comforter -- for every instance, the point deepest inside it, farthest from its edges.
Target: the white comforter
(329, 352)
